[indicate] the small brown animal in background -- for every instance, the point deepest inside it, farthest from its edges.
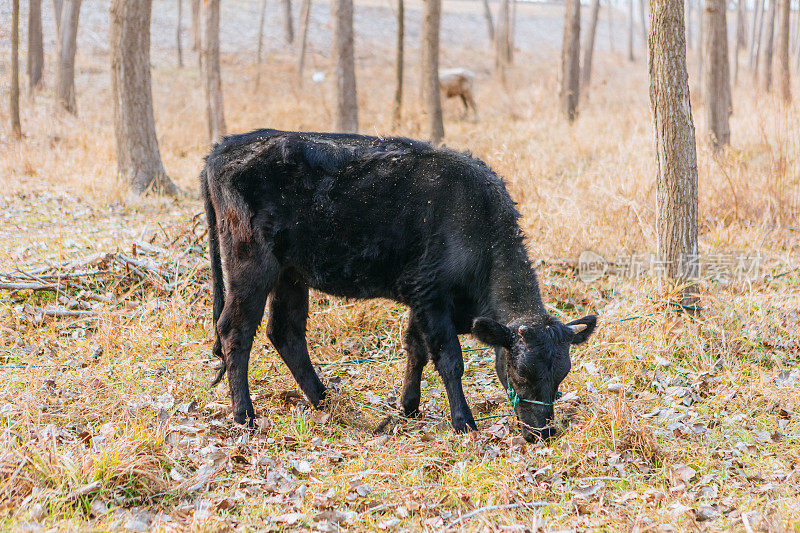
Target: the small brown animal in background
(458, 82)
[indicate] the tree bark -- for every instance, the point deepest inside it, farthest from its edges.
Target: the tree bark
(768, 45)
(35, 45)
(212, 75)
(741, 37)
(430, 50)
(588, 47)
(487, 12)
(501, 44)
(398, 71)
(630, 30)
(260, 41)
(570, 59)
(288, 23)
(67, 44)
(346, 118)
(676, 152)
(755, 43)
(57, 9)
(16, 126)
(718, 84)
(305, 12)
(138, 157)
(178, 34)
(197, 26)
(783, 50)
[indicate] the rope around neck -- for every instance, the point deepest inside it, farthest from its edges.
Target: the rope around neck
(515, 398)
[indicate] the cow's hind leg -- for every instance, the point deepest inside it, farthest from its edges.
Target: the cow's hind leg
(416, 359)
(286, 329)
(250, 272)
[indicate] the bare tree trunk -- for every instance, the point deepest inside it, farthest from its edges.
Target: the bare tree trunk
(430, 50)
(588, 47)
(700, 47)
(138, 157)
(642, 15)
(755, 37)
(689, 26)
(288, 24)
(197, 26)
(16, 126)
(260, 41)
(305, 12)
(630, 30)
(611, 10)
(718, 83)
(783, 50)
(741, 37)
(570, 59)
(346, 118)
(57, 9)
(512, 29)
(501, 40)
(67, 44)
(489, 22)
(178, 34)
(768, 45)
(676, 152)
(212, 75)
(35, 45)
(398, 78)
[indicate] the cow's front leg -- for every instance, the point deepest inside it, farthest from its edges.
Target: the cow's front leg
(286, 329)
(416, 359)
(442, 341)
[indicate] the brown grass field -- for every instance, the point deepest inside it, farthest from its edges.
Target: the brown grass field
(670, 423)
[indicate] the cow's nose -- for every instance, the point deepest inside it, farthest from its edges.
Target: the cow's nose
(545, 434)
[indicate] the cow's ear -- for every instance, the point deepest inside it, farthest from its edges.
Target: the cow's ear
(583, 327)
(491, 332)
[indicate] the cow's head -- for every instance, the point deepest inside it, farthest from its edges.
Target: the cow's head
(532, 359)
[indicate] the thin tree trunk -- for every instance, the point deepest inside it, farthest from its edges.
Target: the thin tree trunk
(197, 26)
(512, 29)
(741, 36)
(346, 117)
(718, 84)
(35, 45)
(570, 59)
(689, 25)
(138, 156)
(178, 34)
(756, 58)
(630, 30)
(213, 77)
(676, 152)
(398, 78)
(487, 12)
(305, 12)
(260, 41)
(700, 47)
(783, 50)
(642, 15)
(288, 23)
(501, 40)
(67, 44)
(57, 9)
(611, 10)
(588, 47)
(768, 45)
(16, 126)
(430, 48)
(754, 32)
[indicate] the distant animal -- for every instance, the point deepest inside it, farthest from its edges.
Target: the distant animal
(459, 82)
(368, 217)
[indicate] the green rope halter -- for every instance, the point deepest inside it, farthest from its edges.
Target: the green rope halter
(515, 398)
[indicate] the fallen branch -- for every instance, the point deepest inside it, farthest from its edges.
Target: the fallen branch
(72, 313)
(476, 512)
(23, 285)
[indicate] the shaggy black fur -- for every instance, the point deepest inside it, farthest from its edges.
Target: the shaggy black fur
(367, 217)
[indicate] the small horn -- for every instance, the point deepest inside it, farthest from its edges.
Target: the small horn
(577, 328)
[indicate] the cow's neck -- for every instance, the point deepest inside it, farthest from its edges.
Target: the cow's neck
(515, 290)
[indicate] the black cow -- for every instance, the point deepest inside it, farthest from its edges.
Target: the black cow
(367, 217)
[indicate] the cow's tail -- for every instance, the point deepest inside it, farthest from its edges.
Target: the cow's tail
(217, 281)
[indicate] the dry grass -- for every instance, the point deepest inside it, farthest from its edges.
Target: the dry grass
(671, 421)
